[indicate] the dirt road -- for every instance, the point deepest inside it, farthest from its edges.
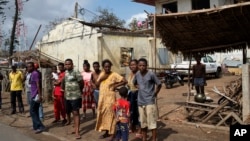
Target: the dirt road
(172, 127)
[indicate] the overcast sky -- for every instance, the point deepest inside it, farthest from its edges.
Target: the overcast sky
(36, 12)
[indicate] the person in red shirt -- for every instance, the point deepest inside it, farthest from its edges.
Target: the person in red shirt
(58, 96)
(121, 109)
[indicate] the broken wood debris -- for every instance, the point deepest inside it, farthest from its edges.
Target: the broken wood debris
(227, 112)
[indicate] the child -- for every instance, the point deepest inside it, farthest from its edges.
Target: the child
(121, 109)
(54, 73)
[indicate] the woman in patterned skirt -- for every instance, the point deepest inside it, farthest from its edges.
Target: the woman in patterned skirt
(88, 101)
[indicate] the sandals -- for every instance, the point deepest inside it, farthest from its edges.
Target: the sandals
(78, 137)
(104, 136)
(138, 135)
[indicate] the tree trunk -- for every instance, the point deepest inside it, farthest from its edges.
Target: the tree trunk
(12, 37)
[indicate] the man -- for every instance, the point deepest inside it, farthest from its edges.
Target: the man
(1, 78)
(95, 75)
(27, 87)
(16, 87)
(41, 115)
(72, 85)
(36, 98)
(145, 81)
(199, 76)
(58, 96)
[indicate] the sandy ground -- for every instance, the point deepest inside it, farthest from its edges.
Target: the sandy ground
(173, 125)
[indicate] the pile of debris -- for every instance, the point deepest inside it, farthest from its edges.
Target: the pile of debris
(227, 112)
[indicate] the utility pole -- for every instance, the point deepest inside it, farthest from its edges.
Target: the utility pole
(76, 10)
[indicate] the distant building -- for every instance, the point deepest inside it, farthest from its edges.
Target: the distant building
(80, 41)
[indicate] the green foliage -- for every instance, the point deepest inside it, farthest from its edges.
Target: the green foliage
(133, 25)
(107, 17)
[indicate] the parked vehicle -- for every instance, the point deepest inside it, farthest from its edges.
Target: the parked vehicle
(172, 77)
(211, 66)
(4, 62)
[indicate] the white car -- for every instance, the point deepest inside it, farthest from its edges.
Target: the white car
(211, 67)
(4, 62)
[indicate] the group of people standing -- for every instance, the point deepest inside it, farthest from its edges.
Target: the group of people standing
(135, 110)
(139, 109)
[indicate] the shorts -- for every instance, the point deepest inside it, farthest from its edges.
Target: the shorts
(73, 105)
(148, 116)
(199, 82)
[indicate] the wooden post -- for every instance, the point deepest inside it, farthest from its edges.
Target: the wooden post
(155, 50)
(244, 54)
(35, 37)
(190, 59)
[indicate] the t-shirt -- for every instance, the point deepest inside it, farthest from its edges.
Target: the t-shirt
(57, 89)
(34, 79)
(55, 75)
(121, 108)
(71, 85)
(146, 87)
(16, 79)
(27, 82)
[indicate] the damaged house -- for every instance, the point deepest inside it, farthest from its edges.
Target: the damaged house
(80, 41)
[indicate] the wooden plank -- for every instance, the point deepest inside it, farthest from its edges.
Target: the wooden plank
(197, 108)
(202, 104)
(215, 111)
(235, 116)
(221, 94)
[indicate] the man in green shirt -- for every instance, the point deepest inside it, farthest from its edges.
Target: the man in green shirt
(72, 85)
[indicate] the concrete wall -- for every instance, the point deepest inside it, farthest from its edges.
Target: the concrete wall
(142, 47)
(245, 91)
(183, 5)
(186, 5)
(71, 40)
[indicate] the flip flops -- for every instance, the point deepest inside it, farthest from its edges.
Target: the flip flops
(104, 136)
(78, 137)
(137, 135)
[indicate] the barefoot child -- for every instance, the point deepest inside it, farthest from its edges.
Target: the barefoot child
(122, 113)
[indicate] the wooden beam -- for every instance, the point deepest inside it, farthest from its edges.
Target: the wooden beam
(231, 114)
(217, 47)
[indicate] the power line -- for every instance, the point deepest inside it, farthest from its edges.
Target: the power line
(84, 9)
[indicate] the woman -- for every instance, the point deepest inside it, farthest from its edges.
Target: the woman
(87, 96)
(132, 98)
(108, 82)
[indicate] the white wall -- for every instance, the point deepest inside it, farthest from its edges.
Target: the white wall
(214, 2)
(142, 47)
(184, 5)
(71, 40)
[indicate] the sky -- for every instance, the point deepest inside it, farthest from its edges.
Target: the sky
(36, 12)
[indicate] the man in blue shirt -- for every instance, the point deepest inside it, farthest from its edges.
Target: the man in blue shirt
(146, 81)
